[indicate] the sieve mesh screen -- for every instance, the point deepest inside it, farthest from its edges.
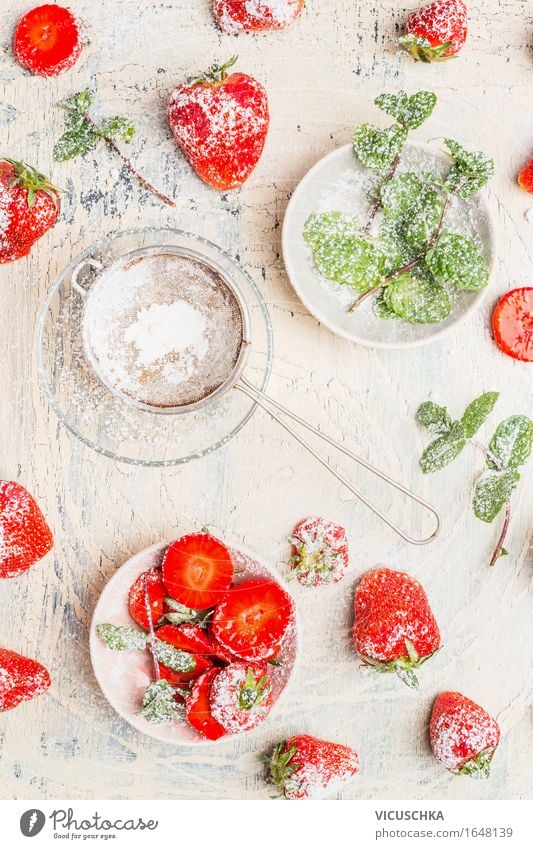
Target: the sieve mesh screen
(163, 329)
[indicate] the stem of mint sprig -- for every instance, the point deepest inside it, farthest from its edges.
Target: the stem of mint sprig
(509, 448)
(412, 263)
(83, 133)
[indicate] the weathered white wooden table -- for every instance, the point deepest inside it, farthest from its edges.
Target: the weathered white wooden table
(321, 77)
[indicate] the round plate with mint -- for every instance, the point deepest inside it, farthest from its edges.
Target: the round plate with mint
(388, 241)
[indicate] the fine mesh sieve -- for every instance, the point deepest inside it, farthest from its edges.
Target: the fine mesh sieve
(193, 362)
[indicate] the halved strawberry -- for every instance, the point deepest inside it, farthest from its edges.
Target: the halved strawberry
(191, 639)
(21, 679)
(240, 697)
(197, 570)
(252, 619)
(24, 534)
(512, 323)
(148, 583)
(197, 707)
(220, 652)
(47, 40)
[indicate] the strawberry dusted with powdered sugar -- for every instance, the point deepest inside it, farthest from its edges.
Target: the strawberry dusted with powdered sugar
(437, 31)
(47, 40)
(304, 767)
(29, 206)
(394, 630)
(197, 708)
(21, 679)
(220, 122)
(241, 697)
(234, 16)
(147, 593)
(25, 536)
(320, 552)
(464, 737)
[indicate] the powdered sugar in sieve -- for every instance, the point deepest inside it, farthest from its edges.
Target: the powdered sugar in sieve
(163, 329)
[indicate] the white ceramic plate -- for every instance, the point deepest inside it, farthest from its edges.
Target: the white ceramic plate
(339, 182)
(124, 675)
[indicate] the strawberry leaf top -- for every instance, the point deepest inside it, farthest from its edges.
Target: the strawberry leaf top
(215, 73)
(478, 767)
(282, 767)
(253, 691)
(422, 51)
(32, 181)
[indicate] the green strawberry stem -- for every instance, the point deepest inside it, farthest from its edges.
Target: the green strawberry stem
(478, 766)
(131, 168)
(151, 641)
(498, 550)
(32, 180)
(414, 262)
(215, 73)
(375, 209)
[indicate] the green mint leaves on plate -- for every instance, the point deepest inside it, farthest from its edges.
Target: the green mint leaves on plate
(121, 637)
(159, 705)
(83, 133)
(509, 448)
(412, 263)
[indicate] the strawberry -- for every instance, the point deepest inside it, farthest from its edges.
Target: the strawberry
(148, 583)
(197, 570)
(463, 735)
(241, 697)
(395, 630)
(220, 122)
(512, 323)
(436, 32)
(29, 206)
(235, 16)
(21, 679)
(320, 552)
(304, 767)
(47, 40)
(24, 535)
(197, 708)
(525, 177)
(220, 652)
(252, 619)
(189, 638)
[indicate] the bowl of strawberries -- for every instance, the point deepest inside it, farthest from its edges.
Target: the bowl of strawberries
(193, 641)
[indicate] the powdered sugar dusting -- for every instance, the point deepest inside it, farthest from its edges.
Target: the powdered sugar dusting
(460, 729)
(225, 695)
(236, 16)
(320, 552)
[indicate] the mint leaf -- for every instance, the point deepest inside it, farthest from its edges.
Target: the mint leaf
(377, 149)
(75, 142)
(342, 253)
(181, 615)
(477, 412)
(434, 418)
(121, 637)
(410, 111)
(470, 170)
(422, 219)
(443, 450)
(493, 489)
(117, 127)
(511, 444)
(382, 309)
(399, 194)
(456, 260)
(80, 102)
(159, 705)
(417, 300)
(175, 659)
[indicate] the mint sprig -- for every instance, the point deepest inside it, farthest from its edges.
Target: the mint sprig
(452, 435)
(83, 133)
(159, 705)
(122, 637)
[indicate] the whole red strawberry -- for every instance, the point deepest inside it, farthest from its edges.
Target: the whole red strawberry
(525, 177)
(395, 630)
(21, 679)
(436, 32)
(464, 737)
(320, 552)
(304, 767)
(235, 16)
(241, 697)
(220, 122)
(29, 206)
(24, 535)
(47, 40)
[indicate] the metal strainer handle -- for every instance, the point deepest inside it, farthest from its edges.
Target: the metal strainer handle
(267, 403)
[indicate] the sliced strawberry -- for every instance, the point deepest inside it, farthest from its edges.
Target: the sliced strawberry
(148, 583)
(252, 619)
(241, 697)
(24, 535)
(47, 40)
(197, 707)
(197, 570)
(220, 652)
(191, 639)
(21, 679)
(512, 323)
